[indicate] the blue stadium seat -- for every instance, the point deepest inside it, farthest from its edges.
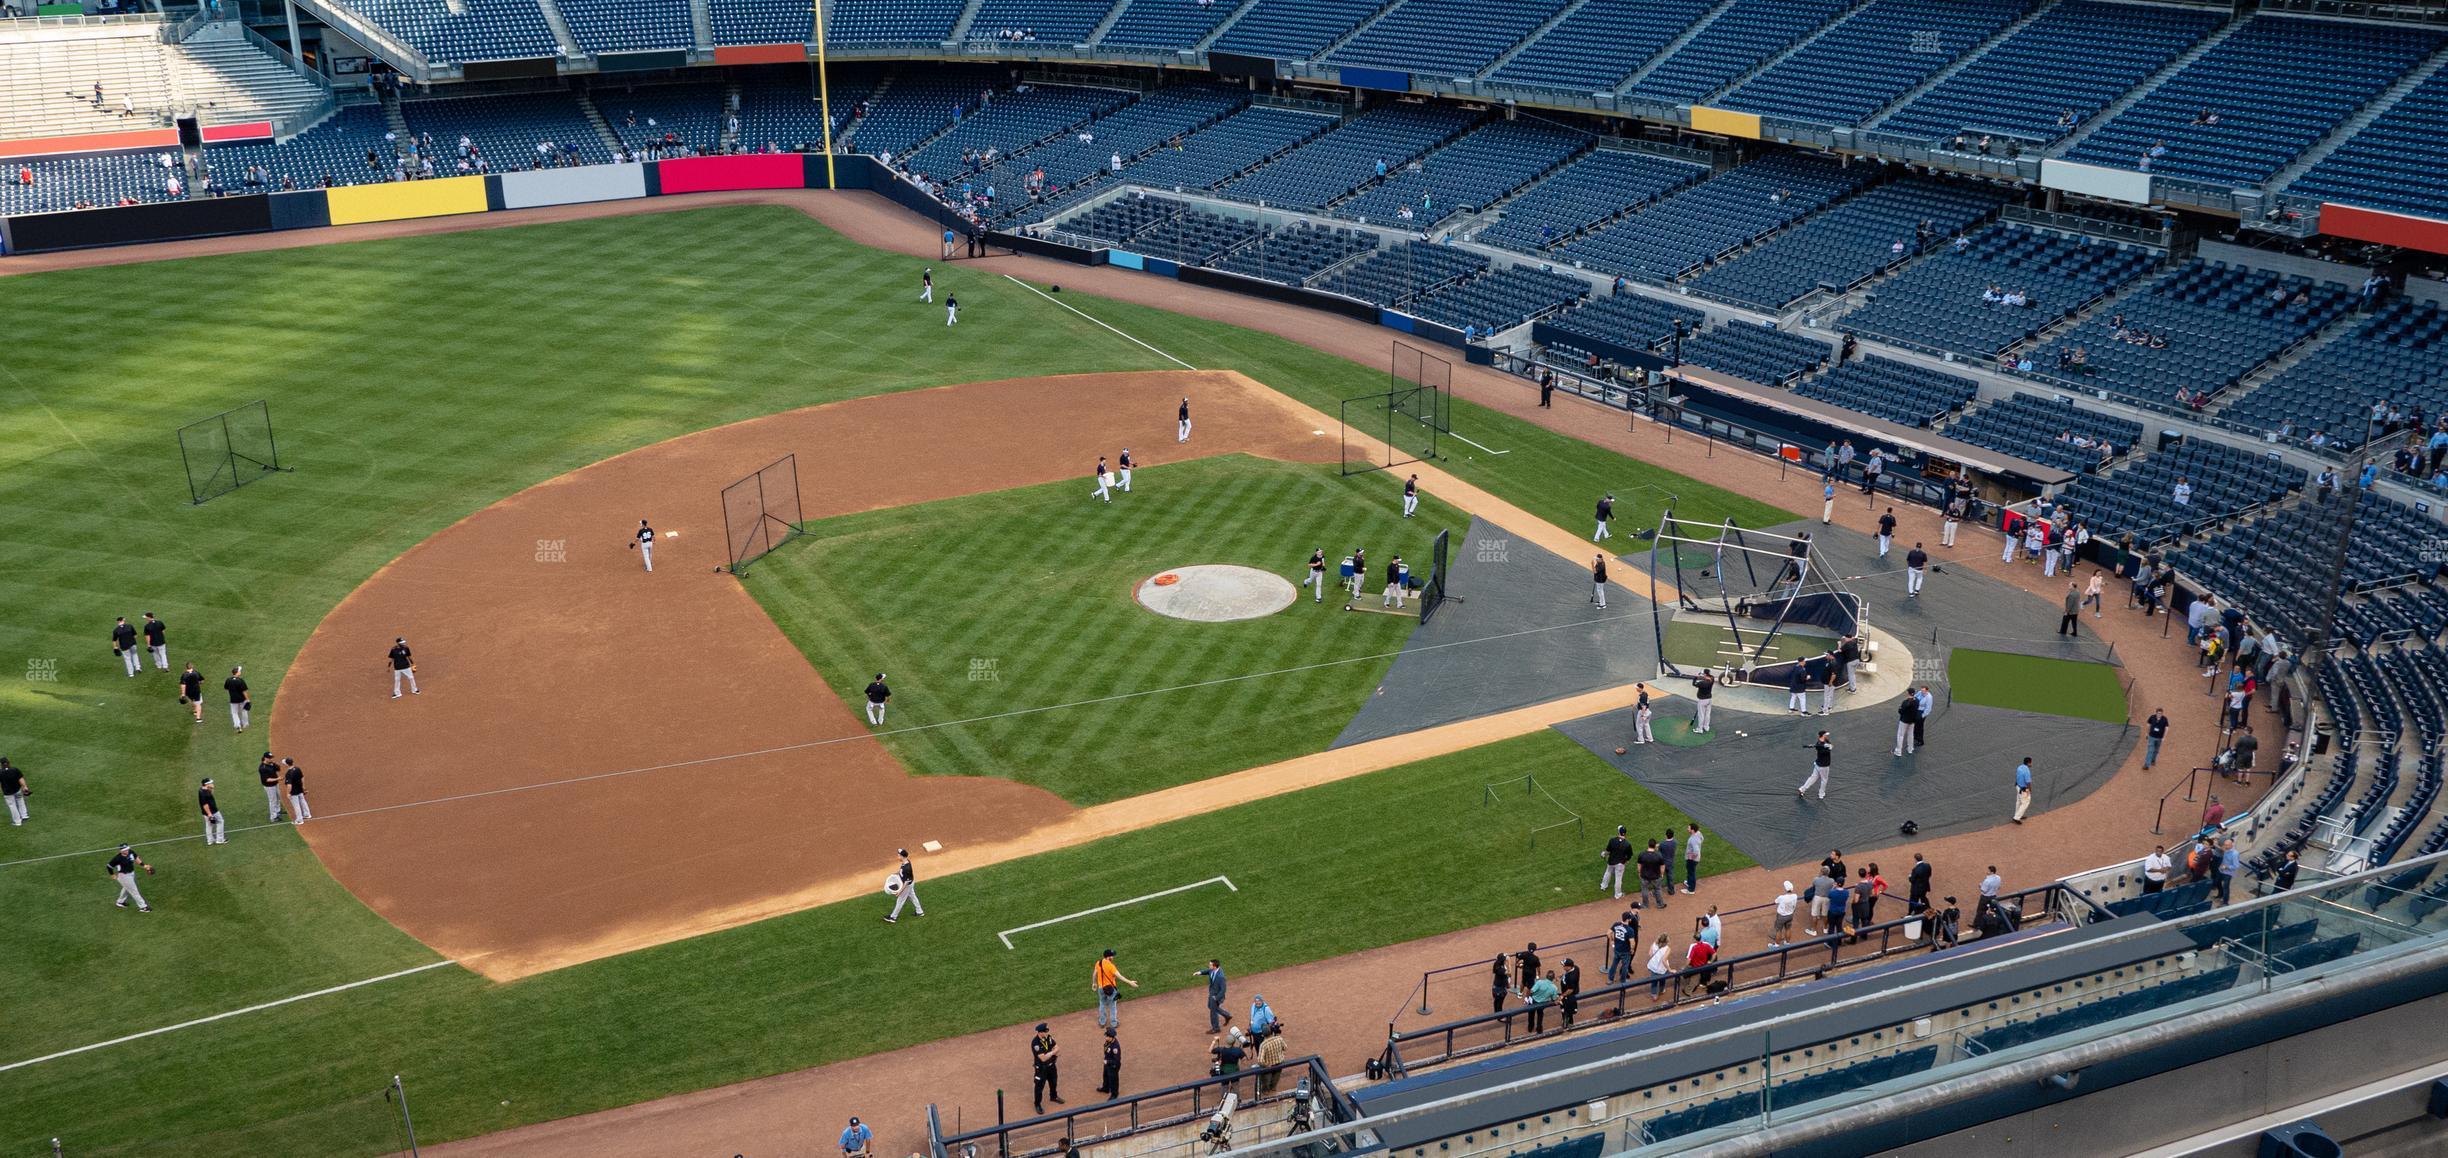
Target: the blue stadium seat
(1330, 167)
(1445, 38)
(2219, 323)
(1846, 245)
(1476, 170)
(1628, 319)
(1228, 148)
(1739, 40)
(1936, 305)
(1294, 29)
(1599, 44)
(1041, 21)
(1878, 54)
(2043, 430)
(643, 116)
(1296, 254)
(1395, 275)
(470, 31)
(766, 22)
(1678, 235)
(1756, 353)
(1595, 188)
(2270, 108)
(2393, 163)
(1168, 24)
(909, 22)
(508, 128)
(2077, 58)
(2398, 354)
(621, 26)
(1500, 300)
(1900, 392)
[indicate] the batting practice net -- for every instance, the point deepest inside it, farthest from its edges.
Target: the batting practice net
(1748, 605)
(1383, 431)
(761, 512)
(1432, 593)
(228, 451)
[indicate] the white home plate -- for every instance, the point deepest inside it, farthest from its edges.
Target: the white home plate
(1216, 593)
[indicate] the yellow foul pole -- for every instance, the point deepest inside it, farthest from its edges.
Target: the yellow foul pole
(824, 96)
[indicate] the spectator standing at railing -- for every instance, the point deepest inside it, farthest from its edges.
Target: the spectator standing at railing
(1271, 1050)
(1781, 931)
(1822, 890)
(1501, 986)
(1541, 994)
(1621, 937)
(1526, 967)
(1660, 966)
(1872, 469)
(2230, 862)
(1917, 886)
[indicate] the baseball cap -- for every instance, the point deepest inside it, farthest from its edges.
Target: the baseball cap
(126, 848)
(1789, 886)
(1042, 1027)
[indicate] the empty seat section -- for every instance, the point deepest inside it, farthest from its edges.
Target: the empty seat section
(1595, 188)
(1332, 166)
(1294, 29)
(1500, 300)
(1228, 148)
(2400, 351)
(2393, 163)
(1445, 38)
(1739, 40)
(1041, 21)
(465, 31)
(1476, 170)
(1599, 44)
(1680, 234)
(911, 22)
(1756, 353)
(1938, 304)
(1878, 54)
(2043, 430)
(1900, 392)
(1848, 244)
(620, 26)
(1170, 24)
(2202, 326)
(1392, 276)
(2043, 82)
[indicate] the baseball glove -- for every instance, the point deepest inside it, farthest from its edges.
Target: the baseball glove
(148, 870)
(182, 699)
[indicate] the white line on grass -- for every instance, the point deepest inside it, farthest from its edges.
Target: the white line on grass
(701, 761)
(1074, 309)
(1482, 447)
(35, 1061)
(1005, 935)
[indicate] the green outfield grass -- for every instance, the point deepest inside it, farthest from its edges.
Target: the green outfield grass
(2058, 687)
(833, 982)
(413, 382)
(1051, 620)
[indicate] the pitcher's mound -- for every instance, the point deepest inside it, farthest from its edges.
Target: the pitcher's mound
(1216, 593)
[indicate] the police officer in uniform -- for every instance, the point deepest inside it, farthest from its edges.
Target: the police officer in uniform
(877, 696)
(1044, 1067)
(268, 774)
(1112, 1086)
(191, 691)
(241, 705)
(403, 664)
(216, 830)
(123, 645)
(122, 868)
(909, 891)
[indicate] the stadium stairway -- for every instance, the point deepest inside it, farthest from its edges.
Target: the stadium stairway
(2134, 95)
(594, 116)
(701, 28)
(1674, 46)
(1943, 75)
(1505, 57)
(1336, 45)
(2276, 367)
(959, 33)
(1105, 24)
(2108, 305)
(570, 51)
(1853, 8)
(1225, 25)
(2355, 124)
(730, 103)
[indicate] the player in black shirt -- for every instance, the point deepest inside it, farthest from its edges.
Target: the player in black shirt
(241, 705)
(877, 696)
(191, 691)
(122, 868)
(157, 641)
(1606, 512)
(295, 778)
(403, 664)
(1317, 575)
(13, 789)
(908, 893)
(123, 645)
(216, 829)
(268, 774)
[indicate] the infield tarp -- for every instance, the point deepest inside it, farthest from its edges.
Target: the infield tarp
(572, 186)
(1517, 629)
(403, 200)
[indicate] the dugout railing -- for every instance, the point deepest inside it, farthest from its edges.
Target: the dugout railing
(1300, 1086)
(1614, 1005)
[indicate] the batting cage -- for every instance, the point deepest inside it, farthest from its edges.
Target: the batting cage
(228, 451)
(1747, 605)
(761, 512)
(1403, 424)
(1432, 592)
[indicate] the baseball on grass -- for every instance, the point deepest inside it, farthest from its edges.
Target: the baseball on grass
(1619, 751)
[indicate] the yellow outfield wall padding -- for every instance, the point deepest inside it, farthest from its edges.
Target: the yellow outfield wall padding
(356, 204)
(1725, 121)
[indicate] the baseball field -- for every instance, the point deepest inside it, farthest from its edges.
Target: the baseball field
(625, 842)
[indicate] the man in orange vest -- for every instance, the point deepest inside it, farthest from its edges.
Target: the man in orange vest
(1107, 980)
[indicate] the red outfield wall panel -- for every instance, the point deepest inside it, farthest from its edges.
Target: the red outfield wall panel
(90, 143)
(761, 54)
(2423, 233)
(750, 171)
(248, 131)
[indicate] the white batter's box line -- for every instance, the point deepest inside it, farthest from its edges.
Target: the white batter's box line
(1006, 935)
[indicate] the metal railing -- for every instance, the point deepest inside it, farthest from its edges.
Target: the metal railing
(1610, 1005)
(1270, 1101)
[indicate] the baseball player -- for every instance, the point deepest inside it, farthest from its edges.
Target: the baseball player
(926, 284)
(1317, 575)
(1359, 561)
(1704, 692)
(1598, 581)
(1104, 480)
(123, 645)
(241, 705)
(951, 309)
(294, 778)
(122, 868)
(1640, 719)
(403, 664)
(216, 830)
(644, 545)
(1396, 576)
(1916, 562)
(1606, 512)
(13, 788)
(1886, 532)
(1410, 496)
(191, 691)
(1823, 755)
(1124, 465)
(268, 774)
(1182, 421)
(877, 696)
(908, 894)
(157, 641)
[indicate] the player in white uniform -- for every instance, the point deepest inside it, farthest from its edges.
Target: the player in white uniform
(908, 892)
(951, 310)
(645, 544)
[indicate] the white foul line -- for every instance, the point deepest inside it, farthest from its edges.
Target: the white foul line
(1068, 306)
(218, 1017)
(1005, 935)
(1482, 447)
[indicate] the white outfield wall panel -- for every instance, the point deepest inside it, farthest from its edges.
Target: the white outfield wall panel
(527, 190)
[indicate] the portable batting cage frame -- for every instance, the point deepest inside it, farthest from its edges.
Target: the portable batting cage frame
(228, 451)
(1432, 592)
(1721, 571)
(761, 512)
(1404, 422)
